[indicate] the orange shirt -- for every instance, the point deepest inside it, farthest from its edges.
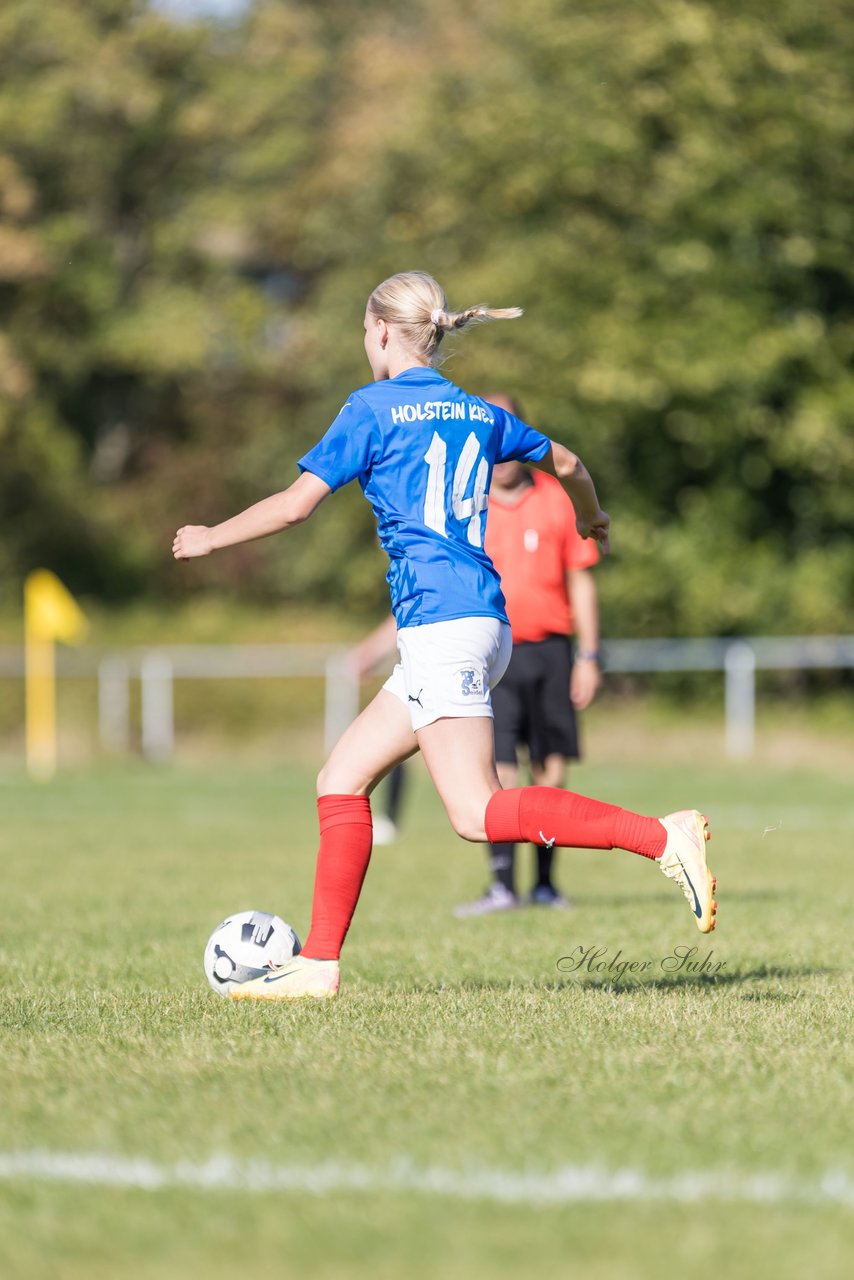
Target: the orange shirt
(533, 544)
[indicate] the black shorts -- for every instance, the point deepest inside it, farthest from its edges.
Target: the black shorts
(532, 706)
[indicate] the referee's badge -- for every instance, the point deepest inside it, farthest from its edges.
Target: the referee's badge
(531, 540)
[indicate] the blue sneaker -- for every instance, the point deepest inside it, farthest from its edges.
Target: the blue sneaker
(546, 895)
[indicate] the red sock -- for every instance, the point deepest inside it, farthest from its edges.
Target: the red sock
(346, 836)
(544, 815)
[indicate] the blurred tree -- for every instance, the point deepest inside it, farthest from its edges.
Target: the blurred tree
(192, 215)
(665, 188)
(144, 330)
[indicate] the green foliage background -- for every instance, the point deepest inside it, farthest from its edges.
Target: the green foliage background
(192, 215)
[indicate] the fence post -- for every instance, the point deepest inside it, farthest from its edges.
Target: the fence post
(342, 699)
(158, 724)
(114, 703)
(740, 700)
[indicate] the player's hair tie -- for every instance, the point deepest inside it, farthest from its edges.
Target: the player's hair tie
(436, 315)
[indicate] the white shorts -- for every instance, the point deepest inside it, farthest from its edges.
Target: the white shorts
(448, 668)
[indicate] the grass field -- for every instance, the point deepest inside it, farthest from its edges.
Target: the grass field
(468, 1108)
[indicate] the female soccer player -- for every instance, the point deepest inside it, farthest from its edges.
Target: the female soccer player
(423, 451)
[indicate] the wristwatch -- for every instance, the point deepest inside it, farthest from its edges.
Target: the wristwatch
(587, 655)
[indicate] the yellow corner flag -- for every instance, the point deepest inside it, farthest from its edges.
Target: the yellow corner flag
(50, 614)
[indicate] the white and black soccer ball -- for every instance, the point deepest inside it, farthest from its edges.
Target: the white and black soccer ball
(245, 946)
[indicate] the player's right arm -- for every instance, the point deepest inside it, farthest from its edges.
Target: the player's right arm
(591, 521)
(280, 511)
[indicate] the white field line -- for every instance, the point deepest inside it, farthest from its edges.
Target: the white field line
(569, 1184)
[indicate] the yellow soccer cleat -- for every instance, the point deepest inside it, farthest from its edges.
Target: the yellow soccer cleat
(684, 860)
(299, 979)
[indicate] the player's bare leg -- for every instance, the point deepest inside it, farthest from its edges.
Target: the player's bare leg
(459, 753)
(378, 739)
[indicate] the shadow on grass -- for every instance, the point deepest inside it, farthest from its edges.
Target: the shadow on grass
(629, 984)
(679, 981)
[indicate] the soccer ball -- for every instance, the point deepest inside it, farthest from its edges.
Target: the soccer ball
(246, 946)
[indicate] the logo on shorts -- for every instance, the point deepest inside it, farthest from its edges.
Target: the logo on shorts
(472, 683)
(416, 697)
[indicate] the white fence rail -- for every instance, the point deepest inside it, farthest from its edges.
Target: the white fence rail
(157, 668)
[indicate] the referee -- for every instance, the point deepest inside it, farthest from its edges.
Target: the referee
(551, 595)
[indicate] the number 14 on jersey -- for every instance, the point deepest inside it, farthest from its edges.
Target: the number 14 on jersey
(463, 509)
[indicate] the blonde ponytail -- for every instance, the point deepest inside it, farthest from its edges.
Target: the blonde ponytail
(447, 320)
(416, 305)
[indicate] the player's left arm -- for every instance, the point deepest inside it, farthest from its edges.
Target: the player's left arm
(590, 520)
(586, 676)
(280, 511)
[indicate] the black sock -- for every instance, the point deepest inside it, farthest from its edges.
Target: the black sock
(394, 792)
(545, 862)
(502, 858)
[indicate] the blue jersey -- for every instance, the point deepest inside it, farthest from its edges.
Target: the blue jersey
(423, 450)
